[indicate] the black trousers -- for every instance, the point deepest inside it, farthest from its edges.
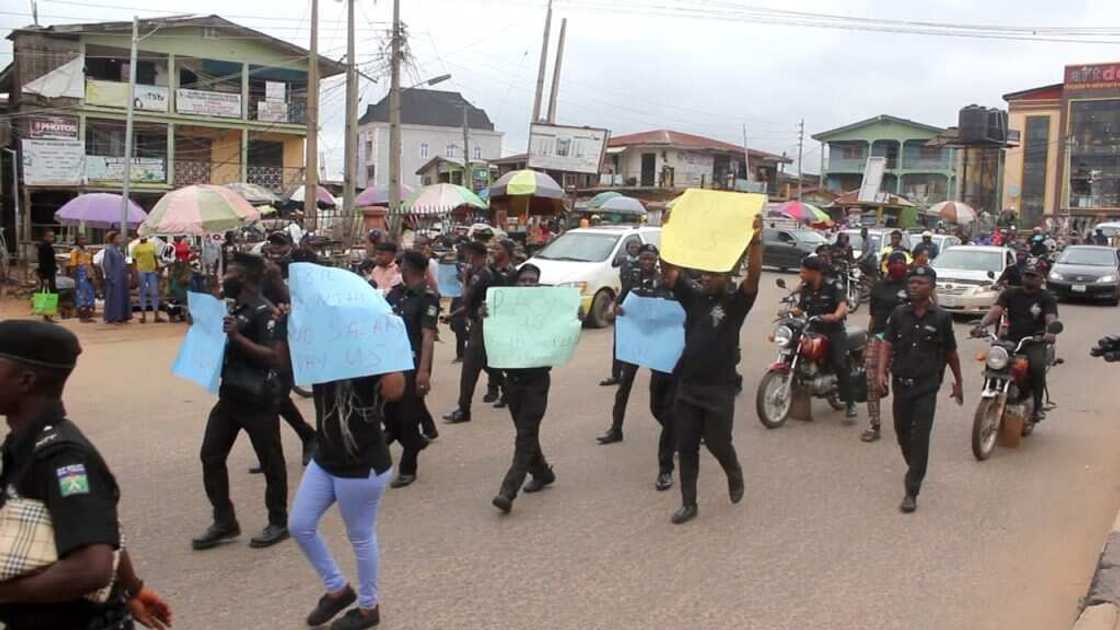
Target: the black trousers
(403, 420)
(625, 376)
(1036, 355)
(661, 402)
(474, 362)
(527, 396)
(838, 361)
(291, 414)
(459, 327)
(704, 411)
(914, 406)
(47, 282)
(226, 420)
(616, 366)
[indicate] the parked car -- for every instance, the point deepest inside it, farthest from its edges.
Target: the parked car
(589, 259)
(877, 237)
(1086, 271)
(784, 249)
(1110, 229)
(966, 277)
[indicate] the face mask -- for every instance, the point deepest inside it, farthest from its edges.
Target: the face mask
(896, 271)
(231, 287)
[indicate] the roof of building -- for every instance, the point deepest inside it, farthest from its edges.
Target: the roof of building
(883, 198)
(430, 107)
(328, 67)
(874, 120)
(680, 140)
(1046, 92)
(511, 159)
(452, 161)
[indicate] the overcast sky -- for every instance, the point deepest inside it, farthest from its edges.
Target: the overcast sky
(630, 72)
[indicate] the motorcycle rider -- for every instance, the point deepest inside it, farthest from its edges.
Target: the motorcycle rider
(824, 299)
(1038, 243)
(1013, 275)
(887, 295)
(895, 245)
(928, 246)
(1029, 308)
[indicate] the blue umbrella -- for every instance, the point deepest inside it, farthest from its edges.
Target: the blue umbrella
(624, 205)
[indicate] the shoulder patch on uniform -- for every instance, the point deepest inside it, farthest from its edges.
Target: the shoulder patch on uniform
(72, 480)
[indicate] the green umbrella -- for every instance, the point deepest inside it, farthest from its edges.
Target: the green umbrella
(603, 197)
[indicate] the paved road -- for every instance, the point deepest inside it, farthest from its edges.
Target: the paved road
(818, 543)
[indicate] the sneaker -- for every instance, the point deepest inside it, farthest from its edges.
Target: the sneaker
(358, 618)
(871, 434)
(330, 605)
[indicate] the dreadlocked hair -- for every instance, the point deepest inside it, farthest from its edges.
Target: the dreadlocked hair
(345, 406)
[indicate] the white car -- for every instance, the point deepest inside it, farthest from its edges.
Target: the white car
(966, 277)
(589, 259)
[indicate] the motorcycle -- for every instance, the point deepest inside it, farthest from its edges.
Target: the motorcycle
(1006, 405)
(802, 366)
(851, 278)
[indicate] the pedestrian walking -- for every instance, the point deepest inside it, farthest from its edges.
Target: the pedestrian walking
(48, 460)
(887, 295)
(118, 306)
(705, 373)
(248, 399)
(144, 256)
(80, 266)
(918, 343)
(527, 392)
(418, 305)
(351, 467)
(48, 266)
(627, 275)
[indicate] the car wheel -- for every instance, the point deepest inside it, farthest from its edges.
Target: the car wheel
(597, 314)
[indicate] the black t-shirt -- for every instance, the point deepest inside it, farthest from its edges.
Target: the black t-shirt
(823, 301)
(1026, 312)
(419, 308)
(919, 344)
(48, 266)
(475, 294)
(50, 460)
(886, 296)
(1012, 276)
(711, 334)
(348, 416)
(256, 322)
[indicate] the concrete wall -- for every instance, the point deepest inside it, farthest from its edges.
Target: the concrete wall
(225, 157)
(412, 137)
(690, 167)
(1013, 160)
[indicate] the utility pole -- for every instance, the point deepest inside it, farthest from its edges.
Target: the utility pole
(351, 142)
(128, 143)
(746, 155)
(468, 174)
(541, 69)
(800, 147)
(556, 73)
(311, 152)
(820, 175)
(395, 124)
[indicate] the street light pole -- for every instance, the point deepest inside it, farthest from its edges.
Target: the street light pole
(351, 141)
(395, 124)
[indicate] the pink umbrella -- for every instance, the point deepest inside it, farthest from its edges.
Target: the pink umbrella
(99, 210)
(804, 212)
(379, 196)
(322, 196)
(201, 209)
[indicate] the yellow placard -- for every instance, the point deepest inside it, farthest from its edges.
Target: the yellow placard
(709, 229)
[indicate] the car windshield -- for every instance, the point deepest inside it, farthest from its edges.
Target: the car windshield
(812, 238)
(580, 247)
(1090, 257)
(969, 260)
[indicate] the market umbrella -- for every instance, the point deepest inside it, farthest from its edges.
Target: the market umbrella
(954, 212)
(379, 196)
(598, 200)
(254, 193)
(201, 209)
(322, 196)
(623, 205)
(804, 212)
(98, 210)
(443, 198)
(534, 192)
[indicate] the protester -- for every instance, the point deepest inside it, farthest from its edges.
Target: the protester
(385, 274)
(147, 268)
(247, 400)
(887, 295)
(47, 459)
(118, 308)
(627, 274)
(351, 466)
(48, 266)
(80, 268)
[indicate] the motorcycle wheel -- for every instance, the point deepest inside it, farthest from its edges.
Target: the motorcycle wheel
(985, 428)
(773, 407)
(853, 300)
(303, 393)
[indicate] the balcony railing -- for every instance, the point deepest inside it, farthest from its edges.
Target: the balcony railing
(188, 172)
(847, 165)
(271, 177)
(292, 111)
(919, 164)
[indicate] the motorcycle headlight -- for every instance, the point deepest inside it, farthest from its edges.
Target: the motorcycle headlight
(783, 335)
(1054, 275)
(1104, 279)
(997, 358)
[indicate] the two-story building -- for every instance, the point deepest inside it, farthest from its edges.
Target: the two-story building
(431, 126)
(214, 102)
(914, 168)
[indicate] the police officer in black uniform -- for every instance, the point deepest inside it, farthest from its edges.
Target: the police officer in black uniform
(47, 459)
(418, 306)
(528, 399)
(705, 374)
(824, 299)
(918, 343)
(887, 295)
(628, 273)
(248, 399)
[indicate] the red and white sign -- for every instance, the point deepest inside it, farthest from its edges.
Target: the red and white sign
(55, 127)
(1100, 76)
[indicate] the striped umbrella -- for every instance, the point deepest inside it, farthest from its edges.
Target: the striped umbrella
(804, 212)
(253, 193)
(954, 212)
(201, 209)
(379, 196)
(526, 183)
(443, 198)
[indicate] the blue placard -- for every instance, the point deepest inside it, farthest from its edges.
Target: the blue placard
(341, 327)
(200, 355)
(448, 279)
(650, 332)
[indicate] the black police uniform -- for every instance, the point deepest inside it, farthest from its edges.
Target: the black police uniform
(886, 296)
(661, 388)
(474, 361)
(419, 308)
(459, 322)
(51, 461)
(527, 395)
(706, 381)
(824, 301)
(629, 274)
(246, 401)
(275, 290)
(1013, 275)
(919, 346)
(1026, 317)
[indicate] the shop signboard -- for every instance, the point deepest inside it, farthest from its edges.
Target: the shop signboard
(272, 111)
(149, 98)
(274, 90)
(52, 162)
(104, 168)
(223, 104)
(570, 149)
(1101, 76)
(52, 127)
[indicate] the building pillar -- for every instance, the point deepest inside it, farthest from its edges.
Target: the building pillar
(244, 91)
(169, 168)
(244, 155)
(172, 83)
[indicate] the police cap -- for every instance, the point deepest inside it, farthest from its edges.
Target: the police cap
(39, 344)
(813, 263)
(924, 271)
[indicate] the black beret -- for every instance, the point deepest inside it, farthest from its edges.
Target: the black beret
(39, 344)
(924, 271)
(813, 263)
